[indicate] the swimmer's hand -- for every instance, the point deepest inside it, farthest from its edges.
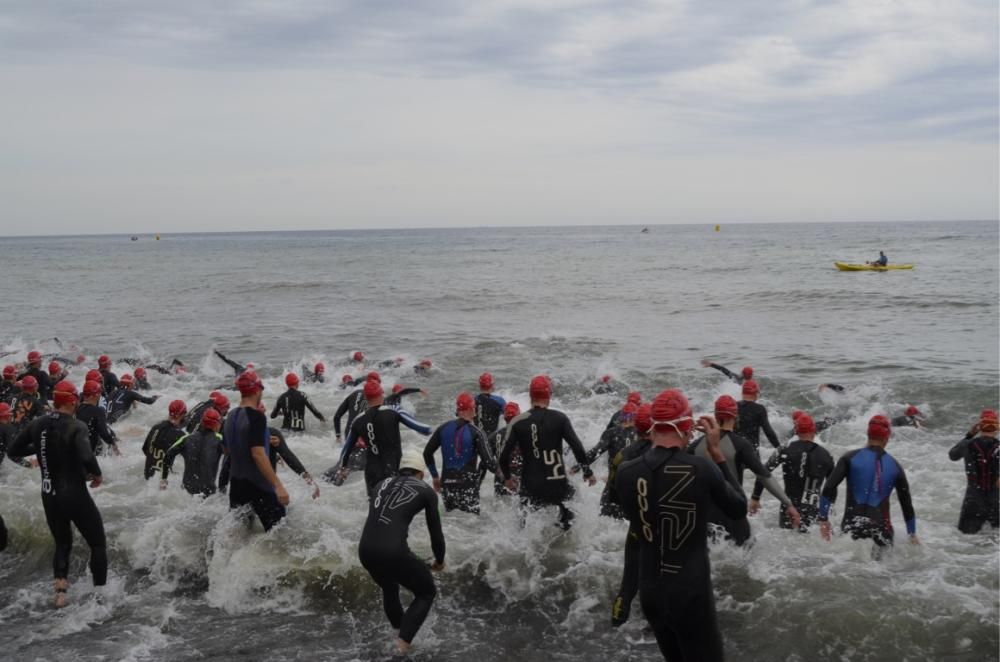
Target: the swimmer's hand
(824, 530)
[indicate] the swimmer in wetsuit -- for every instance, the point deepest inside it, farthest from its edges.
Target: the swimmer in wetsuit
(539, 435)
(291, 406)
(752, 417)
(202, 452)
(981, 454)
(102, 437)
(511, 411)
(239, 368)
(316, 375)
(805, 465)
(660, 490)
(56, 372)
(63, 448)
(121, 401)
(7, 434)
(109, 380)
(622, 605)
(41, 376)
(489, 406)
(216, 400)
(634, 397)
(613, 441)
(28, 405)
(745, 375)
(740, 454)
(395, 399)
(384, 551)
(9, 390)
(141, 379)
(162, 436)
(378, 427)
(463, 447)
(911, 418)
(872, 475)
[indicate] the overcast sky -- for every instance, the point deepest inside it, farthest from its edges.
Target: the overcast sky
(184, 115)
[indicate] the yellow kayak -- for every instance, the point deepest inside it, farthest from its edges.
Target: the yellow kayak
(844, 266)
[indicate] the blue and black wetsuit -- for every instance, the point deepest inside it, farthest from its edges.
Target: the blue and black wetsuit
(378, 427)
(805, 466)
(386, 556)
(244, 429)
(666, 494)
(121, 400)
(489, 412)
(62, 445)
(463, 446)
(982, 470)
(395, 400)
(872, 475)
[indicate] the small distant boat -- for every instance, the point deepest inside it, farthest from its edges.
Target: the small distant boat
(644, 231)
(135, 238)
(845, 266)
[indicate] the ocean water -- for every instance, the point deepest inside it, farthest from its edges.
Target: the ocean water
(188, 583)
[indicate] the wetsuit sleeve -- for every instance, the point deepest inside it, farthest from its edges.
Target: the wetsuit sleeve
(483, 448)
(835, 387)
(240, 369)
(413, 424)
(80, 441)
(830, 488)
(340, 413)
(172, 452)
(103, 431)
(575, 445)
(497, 399)
(765, 425)
(601, 447)
(753, 463)
(313, 409)
(726, 371)
(23, 445)
(506, 452)
(906, 502)
(959, 450)
(432, 446)
(725, 493)
(279, 406)
(135, 395)
(777, 457)
(434, 525)
(288, 456)
(406, 391)
(345, 453)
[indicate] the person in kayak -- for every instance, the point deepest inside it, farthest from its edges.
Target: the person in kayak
(745, 374)
(982, 471)
(881, 261)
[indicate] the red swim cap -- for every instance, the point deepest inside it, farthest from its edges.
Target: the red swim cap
(9, 372)
(64, 393)
(629, 411)
(319, 369)
(605, 379)
(510, 410)
(644, 418)
(29, 384)
(796, 413)
(805, 424)
(140, 373)
(725, 407)
(291, 380)
(346, 379)
(988, 421)
(358, 356)
(103, 361)
(879, 428)
(211, 419)
(747, 372)
(374, 376)
(91, 388)
(913, 411)
(396, 388)
(34, 356)
(249, 383)
(750, 387)
(634, 397)
(540, 388)
(127, 379)
(485, 381)
(54, 369)
(219, 401)
(672, 410)
(372, 390)
(95, 376)
(177, 408)
(5, 412)
(425, 363)
(465, 402)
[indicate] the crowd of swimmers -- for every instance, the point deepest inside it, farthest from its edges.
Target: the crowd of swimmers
(676, 479)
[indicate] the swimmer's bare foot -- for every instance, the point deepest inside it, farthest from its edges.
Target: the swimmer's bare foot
(61, 586)
(402, 648)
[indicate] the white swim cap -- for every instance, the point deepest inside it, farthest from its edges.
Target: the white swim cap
(413, 459)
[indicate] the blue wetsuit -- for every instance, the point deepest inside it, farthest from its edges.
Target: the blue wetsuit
(461, 443)
(871, 475)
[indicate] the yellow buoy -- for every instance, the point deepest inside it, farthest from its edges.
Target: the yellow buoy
(157, 237)
(717, 228)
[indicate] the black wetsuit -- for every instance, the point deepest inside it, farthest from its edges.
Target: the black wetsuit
(202, 452)
(463, 446)
(283, 452)
(821, 425)
(120, 403)
(9, 392)
(666, 494)
(805, 466)
(489, 412)
(110, 381)
(291, 405)
(727, 372)
(539, 435)
(395, 400)
(871, 475)
(622, 606)
(161, 437)
(194, 417)
(906, 422)
(386, 556)
(27, 407)
(982, 470)
(751, 418)
(7, 434)
(142, 384)
(740, 455)
(379, 428)
(65, 459)
(246, 428)
(96, 420)
(496, 440)
(44, 381)
(352, 406)
(311, 376)
(613, 441)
